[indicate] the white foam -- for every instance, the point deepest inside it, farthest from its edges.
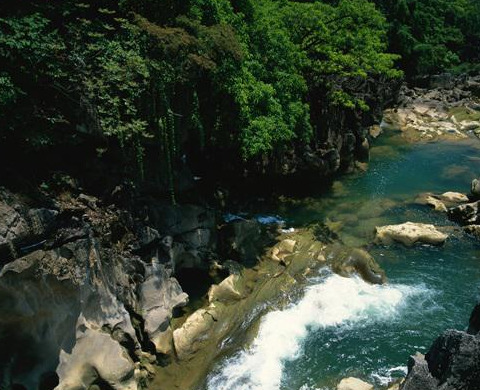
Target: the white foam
(386, 376)
(334, 301)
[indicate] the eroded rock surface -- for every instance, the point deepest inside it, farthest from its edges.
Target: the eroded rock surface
(239, 300)
(86, 293)
(410, 233)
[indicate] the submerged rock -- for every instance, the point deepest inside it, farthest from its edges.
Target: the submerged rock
(410, 233)
(354, 384)
(347, 261)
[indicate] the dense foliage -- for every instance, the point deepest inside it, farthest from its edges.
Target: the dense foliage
(434, 35)
(170, 77)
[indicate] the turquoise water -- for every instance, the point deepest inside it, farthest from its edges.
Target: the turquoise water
(345, 327)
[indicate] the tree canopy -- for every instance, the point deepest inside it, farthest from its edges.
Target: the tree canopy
(187, 76)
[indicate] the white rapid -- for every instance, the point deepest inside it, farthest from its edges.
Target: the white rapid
(334, 301)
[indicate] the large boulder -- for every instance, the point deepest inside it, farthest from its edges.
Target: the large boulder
(107, 360)
(410, 233)
(452, 362)
(354, 384)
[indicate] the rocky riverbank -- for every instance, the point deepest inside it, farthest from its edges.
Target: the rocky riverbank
(92, 276)
(449, 109)
(452, 361)
(93, 288)
(89, 297)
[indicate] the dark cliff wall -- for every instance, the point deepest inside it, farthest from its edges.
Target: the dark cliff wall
(452, 362)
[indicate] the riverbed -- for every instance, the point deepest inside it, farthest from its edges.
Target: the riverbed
(339, 327)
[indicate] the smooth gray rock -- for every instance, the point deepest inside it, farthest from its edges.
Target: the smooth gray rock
(67, 306)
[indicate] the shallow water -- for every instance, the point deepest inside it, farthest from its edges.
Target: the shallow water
(345, 327)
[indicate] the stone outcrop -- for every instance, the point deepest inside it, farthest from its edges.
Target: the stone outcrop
(441, 202)
(468, 214)
(341, 134)
(418, 376)
(354, 384)
(436, 113)
(410, 233)
(451, 363)
(238, 301)
(86, 293)
(234, 303)
(465, 214)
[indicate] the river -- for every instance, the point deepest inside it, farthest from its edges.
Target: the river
(341, 327)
